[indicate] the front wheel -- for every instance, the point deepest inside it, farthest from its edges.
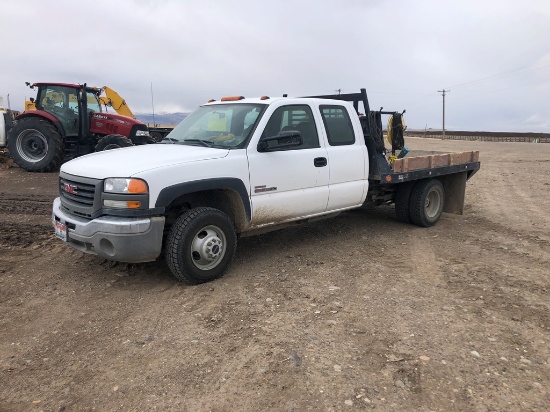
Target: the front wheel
(426, 204)
(112, 141)
(200, 245)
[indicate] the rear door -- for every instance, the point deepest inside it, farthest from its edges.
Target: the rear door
(289, 184)
(347, 156)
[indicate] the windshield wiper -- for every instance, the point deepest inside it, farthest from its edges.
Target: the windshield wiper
(205, 143)
(169, 139)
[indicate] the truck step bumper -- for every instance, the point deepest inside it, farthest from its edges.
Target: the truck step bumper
(123, 239)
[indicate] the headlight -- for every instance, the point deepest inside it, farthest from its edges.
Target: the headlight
(124, 185)
(142, 132)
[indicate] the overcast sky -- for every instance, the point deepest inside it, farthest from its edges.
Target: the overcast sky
(493, 55)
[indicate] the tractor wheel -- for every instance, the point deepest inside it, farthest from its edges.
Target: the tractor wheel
(35, 145)
(426, 203)
(112, 141)
(200, 245)
(155, 137)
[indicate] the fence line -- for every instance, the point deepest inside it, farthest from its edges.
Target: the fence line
(486, 138)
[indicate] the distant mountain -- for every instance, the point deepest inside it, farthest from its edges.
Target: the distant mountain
(161, 119)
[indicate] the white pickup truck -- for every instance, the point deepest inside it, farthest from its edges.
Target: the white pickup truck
(243, 166)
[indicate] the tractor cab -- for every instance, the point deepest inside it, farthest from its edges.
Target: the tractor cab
(67, 103)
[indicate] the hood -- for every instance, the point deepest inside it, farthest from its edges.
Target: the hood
(129, 161)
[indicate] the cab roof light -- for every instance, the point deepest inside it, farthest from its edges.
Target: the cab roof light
(211, 100)
(264, 97)
(232, 98)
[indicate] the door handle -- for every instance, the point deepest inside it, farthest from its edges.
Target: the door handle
(320, 161)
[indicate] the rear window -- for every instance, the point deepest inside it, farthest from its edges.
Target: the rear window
(338, 125)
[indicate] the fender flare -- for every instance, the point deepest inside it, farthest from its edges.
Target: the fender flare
(170, 193)
(45, 115)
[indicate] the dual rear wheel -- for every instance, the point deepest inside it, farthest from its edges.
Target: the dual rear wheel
(420, 202)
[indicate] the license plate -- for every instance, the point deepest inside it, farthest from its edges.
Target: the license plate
(61, 231)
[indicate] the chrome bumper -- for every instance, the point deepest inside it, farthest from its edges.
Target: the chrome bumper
(124, 239)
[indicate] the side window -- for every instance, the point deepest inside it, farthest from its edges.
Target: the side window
(338, 125)
(295, 117)
(93, 103)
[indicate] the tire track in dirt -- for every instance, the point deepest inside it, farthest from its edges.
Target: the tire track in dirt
(18, 211)
(12, 203)
(24, 235)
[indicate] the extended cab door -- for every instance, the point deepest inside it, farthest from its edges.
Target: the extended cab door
(292, 183)
(347, 156)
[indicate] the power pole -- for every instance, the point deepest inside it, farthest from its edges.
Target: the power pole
(153, 104)
(443, 92)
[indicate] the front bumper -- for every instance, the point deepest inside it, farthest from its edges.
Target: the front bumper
(124, 239)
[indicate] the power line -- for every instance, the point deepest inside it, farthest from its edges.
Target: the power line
(537, 65)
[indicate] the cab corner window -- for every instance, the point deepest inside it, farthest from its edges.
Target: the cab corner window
(338, 125)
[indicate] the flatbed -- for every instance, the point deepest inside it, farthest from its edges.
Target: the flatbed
(392, 179)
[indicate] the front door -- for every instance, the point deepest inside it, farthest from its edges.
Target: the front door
(289, 184)
(61, 102)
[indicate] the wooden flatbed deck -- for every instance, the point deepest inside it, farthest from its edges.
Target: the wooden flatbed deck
(411, 163)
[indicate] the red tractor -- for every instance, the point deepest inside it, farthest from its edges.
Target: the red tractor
(67, 121)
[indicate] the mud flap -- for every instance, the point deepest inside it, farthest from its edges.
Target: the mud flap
(455, 192)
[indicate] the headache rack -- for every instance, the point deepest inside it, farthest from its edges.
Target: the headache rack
(407, 168)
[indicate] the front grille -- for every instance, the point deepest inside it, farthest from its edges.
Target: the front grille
(83, 193)
(80, 195)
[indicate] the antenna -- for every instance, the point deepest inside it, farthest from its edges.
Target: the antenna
(153, 104)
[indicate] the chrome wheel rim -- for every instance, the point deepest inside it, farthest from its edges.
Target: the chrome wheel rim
(31, 145)
(208, 247)
(433, 202)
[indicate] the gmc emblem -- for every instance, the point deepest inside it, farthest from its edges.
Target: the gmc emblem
(69, 188)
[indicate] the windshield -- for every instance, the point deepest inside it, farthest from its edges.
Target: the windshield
(221, 125)
(56, 98)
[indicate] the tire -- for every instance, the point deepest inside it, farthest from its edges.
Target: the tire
(426, 204)
(402, 202)
(155, 137)
(112, 141)
(35, 145)
(200, 245)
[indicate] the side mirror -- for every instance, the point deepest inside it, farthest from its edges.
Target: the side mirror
(282, 141)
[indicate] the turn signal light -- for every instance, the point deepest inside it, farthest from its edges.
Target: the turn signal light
(122, 204)
(137, 186)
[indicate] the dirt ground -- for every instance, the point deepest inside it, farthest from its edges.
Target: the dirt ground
(355, 313)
